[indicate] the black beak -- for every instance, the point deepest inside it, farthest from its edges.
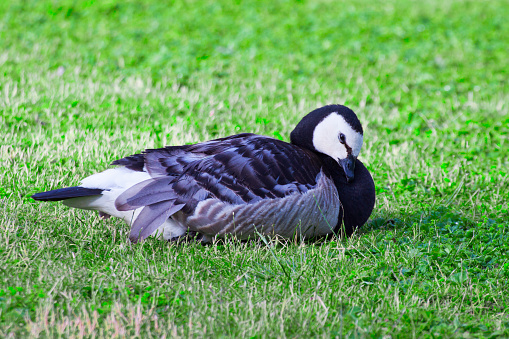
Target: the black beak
(348, 165)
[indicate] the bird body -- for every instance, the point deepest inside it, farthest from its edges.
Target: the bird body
(244, 185)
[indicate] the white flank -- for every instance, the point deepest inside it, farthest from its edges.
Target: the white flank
(171, 229)
(114, 182)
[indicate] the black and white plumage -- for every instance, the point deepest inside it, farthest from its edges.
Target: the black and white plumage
(243, 185)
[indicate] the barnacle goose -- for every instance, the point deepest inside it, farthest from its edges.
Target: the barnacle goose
(244, 184)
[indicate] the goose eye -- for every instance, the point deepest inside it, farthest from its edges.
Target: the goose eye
(342, 138)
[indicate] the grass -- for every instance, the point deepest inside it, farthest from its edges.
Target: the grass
(83, 83)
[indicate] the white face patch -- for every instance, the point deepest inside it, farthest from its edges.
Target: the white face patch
(326, 137)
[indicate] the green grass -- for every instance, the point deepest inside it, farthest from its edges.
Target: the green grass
(83, 83)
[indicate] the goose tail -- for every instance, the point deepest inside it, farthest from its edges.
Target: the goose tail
(67, 193)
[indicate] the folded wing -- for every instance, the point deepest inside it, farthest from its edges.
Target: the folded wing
(240, 169)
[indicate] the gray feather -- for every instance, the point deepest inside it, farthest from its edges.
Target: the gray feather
(146, 193)
(151, 217)
(312, 213)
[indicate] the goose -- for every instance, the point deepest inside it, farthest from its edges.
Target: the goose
(245, 185)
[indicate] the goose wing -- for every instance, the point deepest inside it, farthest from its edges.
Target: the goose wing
(239, 169)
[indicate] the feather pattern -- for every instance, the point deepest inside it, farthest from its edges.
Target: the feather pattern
(313, 213)
(233, 171)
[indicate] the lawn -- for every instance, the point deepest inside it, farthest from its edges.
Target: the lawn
(83, 83)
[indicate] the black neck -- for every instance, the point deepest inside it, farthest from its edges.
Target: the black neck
(357, 197)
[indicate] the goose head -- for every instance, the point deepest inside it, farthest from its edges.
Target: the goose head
(333, 130)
